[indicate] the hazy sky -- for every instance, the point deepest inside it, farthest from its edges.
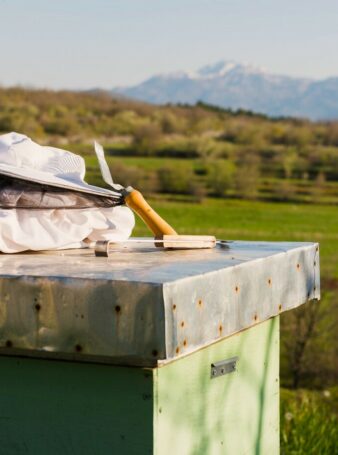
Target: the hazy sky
(104, 43)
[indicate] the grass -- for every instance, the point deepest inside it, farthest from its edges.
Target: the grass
(309, 423)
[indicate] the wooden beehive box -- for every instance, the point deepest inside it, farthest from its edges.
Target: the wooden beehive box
(164, 352)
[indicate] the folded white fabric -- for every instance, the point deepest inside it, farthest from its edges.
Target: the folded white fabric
(24, 229)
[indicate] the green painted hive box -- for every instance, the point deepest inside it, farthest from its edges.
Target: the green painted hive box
(148, 351)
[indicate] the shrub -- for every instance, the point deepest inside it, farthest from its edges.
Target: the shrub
(247, 175)
(220, 177)
(146, 139)
(175, 180)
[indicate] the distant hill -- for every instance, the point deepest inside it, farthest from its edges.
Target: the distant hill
(232, 85)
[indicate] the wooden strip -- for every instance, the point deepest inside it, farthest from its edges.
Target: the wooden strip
(188, 241)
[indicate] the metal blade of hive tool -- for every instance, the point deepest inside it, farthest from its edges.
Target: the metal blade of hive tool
(105, 172)
(177, 242)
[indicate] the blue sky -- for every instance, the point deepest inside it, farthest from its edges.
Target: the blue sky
(104, 43)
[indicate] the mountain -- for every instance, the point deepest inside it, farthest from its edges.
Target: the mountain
(232, 85)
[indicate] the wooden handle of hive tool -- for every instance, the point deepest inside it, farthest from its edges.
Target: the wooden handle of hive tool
(156, 224)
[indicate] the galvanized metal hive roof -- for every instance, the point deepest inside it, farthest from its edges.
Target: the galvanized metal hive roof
(150, 306)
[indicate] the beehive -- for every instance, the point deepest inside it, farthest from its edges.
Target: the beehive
(149, 351)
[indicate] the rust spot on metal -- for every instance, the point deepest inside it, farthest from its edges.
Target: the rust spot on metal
(184, 342)
(269, 281)
(78, 348)
(200, 303)
(298, 266)
(237, 289)
(9, 344)
(255, 317)
(220, 329)
(177, 350)
(182, 324)
(154, 353)
(280, 307)
(117, 309)
(174, 307)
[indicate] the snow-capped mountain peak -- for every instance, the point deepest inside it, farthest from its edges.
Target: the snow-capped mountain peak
(234, 85)
(214, 71)
(223, 67)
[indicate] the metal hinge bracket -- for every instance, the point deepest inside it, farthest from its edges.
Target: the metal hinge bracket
(223, 367)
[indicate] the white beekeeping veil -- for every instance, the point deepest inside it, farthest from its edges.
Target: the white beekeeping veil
(46, 204)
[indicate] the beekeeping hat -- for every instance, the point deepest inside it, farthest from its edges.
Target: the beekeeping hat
(22, 158)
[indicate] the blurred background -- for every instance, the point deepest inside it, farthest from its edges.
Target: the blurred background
(225, 114)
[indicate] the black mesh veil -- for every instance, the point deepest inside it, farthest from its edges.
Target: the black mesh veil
(21, 194)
